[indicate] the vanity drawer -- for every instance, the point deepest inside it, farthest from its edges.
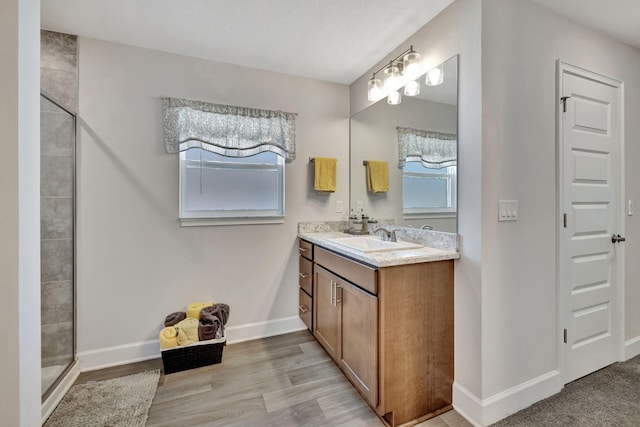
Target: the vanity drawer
(304, 309)
(306, 249)
(306, 275)
(362, 275)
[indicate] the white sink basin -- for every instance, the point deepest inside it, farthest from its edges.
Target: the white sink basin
(372, 244)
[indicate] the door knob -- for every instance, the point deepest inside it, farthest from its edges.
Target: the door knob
(615, 238)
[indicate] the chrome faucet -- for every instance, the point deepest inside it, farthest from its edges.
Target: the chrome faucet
(387, 235)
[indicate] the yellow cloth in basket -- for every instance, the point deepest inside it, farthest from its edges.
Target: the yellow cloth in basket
(325, 174)
(193, 309)
(377, 176)
(168, 337)
(187, 331)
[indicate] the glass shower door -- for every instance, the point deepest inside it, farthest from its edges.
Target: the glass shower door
(57, 192)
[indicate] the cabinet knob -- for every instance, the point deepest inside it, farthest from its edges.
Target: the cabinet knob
(304, 276)
(303, 308)
(302, 249)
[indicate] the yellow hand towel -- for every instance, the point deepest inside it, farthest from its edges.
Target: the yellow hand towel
(168, 337)
(377, 176)
(187, 331)
(325, 174)
(193, 310)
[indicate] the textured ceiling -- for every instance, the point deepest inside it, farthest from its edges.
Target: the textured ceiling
(618, 19)
(332, 40)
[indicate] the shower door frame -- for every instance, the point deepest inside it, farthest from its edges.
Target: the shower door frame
(52, 388)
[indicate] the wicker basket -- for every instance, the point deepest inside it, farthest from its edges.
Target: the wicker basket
(192, 356)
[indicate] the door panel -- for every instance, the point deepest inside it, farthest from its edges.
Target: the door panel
(326, 312)
(359, 356)
(590, 144)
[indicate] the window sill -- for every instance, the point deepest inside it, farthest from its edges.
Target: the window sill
(203, 222)
(427, 215)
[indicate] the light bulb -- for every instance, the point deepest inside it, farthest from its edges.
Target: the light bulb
(391, 78)
(394, 98)
(374, 89)
(435, 76)
(411, 65)
(412, 88)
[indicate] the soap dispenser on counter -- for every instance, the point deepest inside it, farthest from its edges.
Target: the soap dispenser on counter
(365, 223)
(352, 218)
(372, 224)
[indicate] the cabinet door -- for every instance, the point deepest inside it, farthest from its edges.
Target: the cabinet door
(359, 351)
(326, 311)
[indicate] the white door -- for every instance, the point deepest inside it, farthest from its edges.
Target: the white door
(590, 147)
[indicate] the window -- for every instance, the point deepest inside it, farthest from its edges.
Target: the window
(428, 191)
(231, 161)
(231, 189)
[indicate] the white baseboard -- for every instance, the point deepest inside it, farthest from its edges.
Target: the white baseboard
(487, 411)
(56, 396)
(632, 348)
(145, 350)
(118, 355)
(253, 331)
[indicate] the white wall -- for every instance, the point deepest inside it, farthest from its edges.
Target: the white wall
(521, 42)
(505, 297)
(20, 214)
(135, 262)
(457, 31)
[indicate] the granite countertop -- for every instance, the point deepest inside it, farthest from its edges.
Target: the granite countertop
(379, 259)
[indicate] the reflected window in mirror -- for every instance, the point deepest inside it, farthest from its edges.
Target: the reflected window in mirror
(428, 191)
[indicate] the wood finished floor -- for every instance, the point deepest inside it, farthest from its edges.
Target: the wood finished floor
(287, 380)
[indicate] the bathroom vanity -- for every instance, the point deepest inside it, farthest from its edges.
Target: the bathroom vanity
(385, 317)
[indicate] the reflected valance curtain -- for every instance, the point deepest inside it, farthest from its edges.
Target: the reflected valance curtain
(227, 130)
(434, 150)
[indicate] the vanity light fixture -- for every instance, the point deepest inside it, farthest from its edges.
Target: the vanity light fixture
(435, 76)
(412, 88)
(374, 89)
(403, 70)
(394, 98)
(391, 77)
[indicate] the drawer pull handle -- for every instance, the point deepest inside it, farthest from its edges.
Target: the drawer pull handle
(302, 275)
(302, 249)
(303, 309)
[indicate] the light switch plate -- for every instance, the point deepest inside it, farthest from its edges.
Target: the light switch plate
(507, 210)
(339, 206)
(630, 207)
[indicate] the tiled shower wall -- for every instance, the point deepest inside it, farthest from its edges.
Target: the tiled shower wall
(58, 81)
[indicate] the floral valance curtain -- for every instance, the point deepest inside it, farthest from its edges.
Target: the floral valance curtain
(227, 130)
(434, 150)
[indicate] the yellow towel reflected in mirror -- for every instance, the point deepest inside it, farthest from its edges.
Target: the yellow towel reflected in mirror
(325, 174)
(377, 176)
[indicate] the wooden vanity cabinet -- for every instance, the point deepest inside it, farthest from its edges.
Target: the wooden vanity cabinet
(390, 330)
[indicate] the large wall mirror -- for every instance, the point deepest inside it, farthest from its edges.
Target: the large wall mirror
(418, 139)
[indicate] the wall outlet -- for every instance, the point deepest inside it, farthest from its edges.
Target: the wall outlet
(630, 207)
(507, 210)
(338, 206)
(359, 206)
